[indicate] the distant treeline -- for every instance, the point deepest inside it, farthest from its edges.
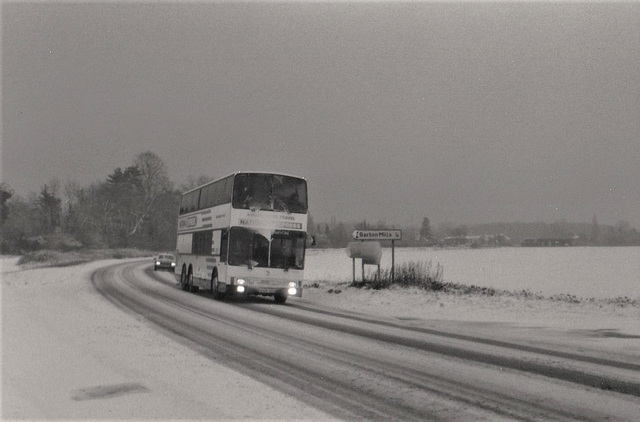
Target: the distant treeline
(136, 207)
(338, 234)
(586, 234)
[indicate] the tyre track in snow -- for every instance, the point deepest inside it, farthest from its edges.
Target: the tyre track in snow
(356, 367)
(488, 341)
(497, 356)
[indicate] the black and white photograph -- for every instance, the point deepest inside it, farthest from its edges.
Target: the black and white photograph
(412, 210)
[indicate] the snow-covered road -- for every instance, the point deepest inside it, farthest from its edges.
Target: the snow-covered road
(69, 353)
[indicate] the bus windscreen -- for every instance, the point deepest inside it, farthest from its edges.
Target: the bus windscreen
(266, 248)
(270, 192)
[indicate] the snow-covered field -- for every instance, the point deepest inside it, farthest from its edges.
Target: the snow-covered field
(585, 272)
(50, 314)
(600, 273)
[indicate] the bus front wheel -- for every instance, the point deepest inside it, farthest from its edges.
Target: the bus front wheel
(217, 294)
(280, 298)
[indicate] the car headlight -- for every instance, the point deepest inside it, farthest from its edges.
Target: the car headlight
(173, 264)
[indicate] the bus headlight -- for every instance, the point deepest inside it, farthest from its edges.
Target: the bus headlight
(240, 282)
(293, 284)
(292, 291)
(240, 289)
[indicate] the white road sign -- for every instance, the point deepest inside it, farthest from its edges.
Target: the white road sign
(382, 234)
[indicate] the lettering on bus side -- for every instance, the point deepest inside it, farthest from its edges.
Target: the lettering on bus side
(188, 222)
(261, 223)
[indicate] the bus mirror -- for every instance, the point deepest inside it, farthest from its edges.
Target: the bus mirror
(311, 241)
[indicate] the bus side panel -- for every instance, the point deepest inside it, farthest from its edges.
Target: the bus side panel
(205, 265)
(183, 252)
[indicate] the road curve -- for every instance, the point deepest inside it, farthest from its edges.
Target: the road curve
(355, 366)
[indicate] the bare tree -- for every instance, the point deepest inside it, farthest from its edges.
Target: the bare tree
(154, 181)
(192, 182)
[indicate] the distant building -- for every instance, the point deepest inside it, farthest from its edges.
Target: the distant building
(457, 241)
(549, 241)
(474, 241)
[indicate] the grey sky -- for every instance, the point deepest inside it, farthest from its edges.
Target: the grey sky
(462, 112)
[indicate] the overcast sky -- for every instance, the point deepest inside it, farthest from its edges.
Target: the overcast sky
(460, 112)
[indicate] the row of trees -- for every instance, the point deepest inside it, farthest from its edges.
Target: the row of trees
(587, 234)
(136, 207)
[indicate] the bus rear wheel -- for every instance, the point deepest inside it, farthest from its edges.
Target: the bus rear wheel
(190, 288)
(183, 279)
(280, 298)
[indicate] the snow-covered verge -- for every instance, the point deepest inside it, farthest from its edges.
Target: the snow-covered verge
(519, 310)
(560, 288)
(69, 353)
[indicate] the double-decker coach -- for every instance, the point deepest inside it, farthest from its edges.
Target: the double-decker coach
(244, 234)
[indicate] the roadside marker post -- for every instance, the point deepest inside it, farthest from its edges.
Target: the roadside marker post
(369, 252)
(381, 234)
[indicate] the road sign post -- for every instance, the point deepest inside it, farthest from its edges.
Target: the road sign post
(393, 262)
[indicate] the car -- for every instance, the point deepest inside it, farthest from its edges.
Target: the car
(164, 262)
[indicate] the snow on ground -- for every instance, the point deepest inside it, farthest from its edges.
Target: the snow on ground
(417, 304)
(69, 353)
(598, 278)
(599, 272)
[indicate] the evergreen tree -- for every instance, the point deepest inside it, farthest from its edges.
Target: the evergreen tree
(425, 231)
(5, 194)
(50, 209)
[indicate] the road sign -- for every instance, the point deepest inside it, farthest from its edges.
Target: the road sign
(382, 234)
